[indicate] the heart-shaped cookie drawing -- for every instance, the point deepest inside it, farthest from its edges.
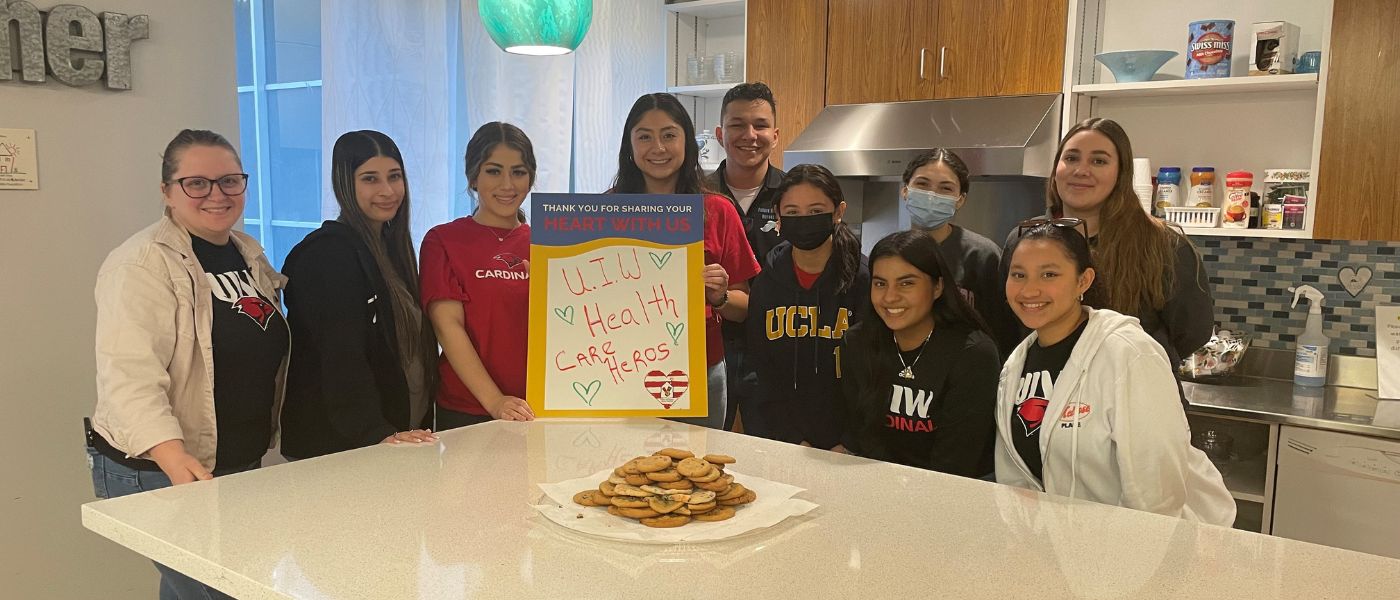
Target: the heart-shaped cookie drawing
(588, 392)
(565, 314)
(661, 259)
(667, 388)
(675, 329)
(1355, 280)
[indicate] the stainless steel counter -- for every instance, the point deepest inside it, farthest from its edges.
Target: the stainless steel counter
(1333, 408)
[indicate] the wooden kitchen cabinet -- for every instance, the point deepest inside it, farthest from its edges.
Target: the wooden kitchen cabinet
(999, 47)
(1357, 178)
(880, 50)
(787, 50)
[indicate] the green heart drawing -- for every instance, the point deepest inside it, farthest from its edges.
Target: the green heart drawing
(566, 314)
(587, 392)
(675, 329)
(660, 260)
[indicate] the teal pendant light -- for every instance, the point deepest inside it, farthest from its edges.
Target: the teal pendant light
(536, 27)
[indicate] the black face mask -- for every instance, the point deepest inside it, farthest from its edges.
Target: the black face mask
(807, 232)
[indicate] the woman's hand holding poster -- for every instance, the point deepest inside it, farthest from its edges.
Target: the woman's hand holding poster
(617, 309)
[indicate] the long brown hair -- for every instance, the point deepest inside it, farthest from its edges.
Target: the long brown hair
(391, 245)
(1134, 252)
(629, 178)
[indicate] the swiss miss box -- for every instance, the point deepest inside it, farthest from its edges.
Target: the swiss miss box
(1208, 49)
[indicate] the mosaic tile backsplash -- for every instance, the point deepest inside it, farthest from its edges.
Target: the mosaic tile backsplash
(1250, 278)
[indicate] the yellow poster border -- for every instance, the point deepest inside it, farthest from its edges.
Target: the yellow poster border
(538, 361)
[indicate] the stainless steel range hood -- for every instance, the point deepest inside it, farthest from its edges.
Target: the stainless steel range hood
(1013, 135)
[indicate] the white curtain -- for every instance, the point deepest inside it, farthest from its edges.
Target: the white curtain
(426, 73)
(622, 58)
(391, 66)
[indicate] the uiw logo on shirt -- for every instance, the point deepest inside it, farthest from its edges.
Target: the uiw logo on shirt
(909, 409)
(1032, 397)
(237, 289)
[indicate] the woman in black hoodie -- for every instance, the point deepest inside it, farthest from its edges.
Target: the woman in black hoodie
(921, 376)
(362, 353)
(800, 307)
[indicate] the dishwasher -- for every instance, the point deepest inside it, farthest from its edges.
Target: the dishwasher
(1338, 489)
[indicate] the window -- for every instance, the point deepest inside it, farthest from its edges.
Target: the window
(279, 114)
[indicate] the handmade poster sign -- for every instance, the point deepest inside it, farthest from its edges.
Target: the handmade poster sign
(617, 306)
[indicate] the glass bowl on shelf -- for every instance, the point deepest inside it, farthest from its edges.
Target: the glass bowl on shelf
(1130, 66)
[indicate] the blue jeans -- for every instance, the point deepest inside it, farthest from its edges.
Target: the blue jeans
(719, 396)
(113, 480)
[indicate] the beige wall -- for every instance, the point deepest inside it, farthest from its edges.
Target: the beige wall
(99, 161)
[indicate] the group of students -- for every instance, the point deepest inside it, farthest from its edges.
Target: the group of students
(915, 355)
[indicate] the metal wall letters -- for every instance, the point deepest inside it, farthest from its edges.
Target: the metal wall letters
(77, 46)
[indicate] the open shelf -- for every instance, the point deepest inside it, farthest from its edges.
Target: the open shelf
(1245, 479)
(1249, 233)
(708, 9)
(709, 90)
(1188, 87)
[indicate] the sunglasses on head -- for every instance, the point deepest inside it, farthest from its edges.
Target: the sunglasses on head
(1069, 223)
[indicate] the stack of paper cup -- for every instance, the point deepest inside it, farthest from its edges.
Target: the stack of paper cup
(1142, 182)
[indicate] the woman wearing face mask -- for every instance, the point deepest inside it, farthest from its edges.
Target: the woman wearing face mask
(659, 155)
(800, 308)
(1147, 268)
(476, 286)
(1087, 406)
(361, 366)
(920, 381)
(935, 187)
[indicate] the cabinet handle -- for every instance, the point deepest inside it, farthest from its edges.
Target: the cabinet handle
(922, 52)
(942, 54)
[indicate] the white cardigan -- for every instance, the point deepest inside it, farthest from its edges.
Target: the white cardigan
(1114, 430)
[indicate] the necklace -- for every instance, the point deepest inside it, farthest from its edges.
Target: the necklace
(908, 371)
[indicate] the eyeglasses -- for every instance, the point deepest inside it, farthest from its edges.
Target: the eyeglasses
(1069, 223)
(197, 187)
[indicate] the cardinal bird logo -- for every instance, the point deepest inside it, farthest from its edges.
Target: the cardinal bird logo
(257, 309)
(1031, 412)
(509, 259)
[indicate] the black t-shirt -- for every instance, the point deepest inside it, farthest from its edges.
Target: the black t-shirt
(1042, 370)
(250, 341)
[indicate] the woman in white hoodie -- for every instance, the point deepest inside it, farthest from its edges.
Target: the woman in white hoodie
(1087, 405)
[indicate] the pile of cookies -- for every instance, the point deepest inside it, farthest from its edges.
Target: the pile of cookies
(669, 489)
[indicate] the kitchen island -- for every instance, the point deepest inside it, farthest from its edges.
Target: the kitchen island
(453, 520)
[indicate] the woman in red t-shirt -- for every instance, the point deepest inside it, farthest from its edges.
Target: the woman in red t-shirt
(476, 285)
(659, 155)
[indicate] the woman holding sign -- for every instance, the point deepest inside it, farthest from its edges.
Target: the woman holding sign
(476, 285)
(921, 380)
(802, 305)
(360, 371)
(659, 155)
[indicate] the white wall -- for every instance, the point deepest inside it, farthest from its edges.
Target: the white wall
(99, 167)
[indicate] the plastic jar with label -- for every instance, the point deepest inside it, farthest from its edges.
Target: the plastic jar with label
(1237, 201)
(1202, 193)
(1168, 190)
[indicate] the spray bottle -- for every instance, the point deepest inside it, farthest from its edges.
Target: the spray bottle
(1310, 359)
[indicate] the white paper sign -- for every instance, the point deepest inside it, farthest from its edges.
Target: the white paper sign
(1388, 351)
(19, 160)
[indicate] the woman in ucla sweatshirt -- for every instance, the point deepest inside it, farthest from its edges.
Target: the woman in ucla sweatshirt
(800, 307)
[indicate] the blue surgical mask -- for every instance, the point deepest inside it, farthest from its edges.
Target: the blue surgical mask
(929, 210)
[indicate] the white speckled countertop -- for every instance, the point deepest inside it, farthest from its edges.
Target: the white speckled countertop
(453, 521)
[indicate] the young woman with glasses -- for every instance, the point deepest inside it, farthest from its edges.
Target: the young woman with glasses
(920, 380)
(1087, 406)
(815, 288)
(191, 342)
(362, 366)
(1147, 268)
